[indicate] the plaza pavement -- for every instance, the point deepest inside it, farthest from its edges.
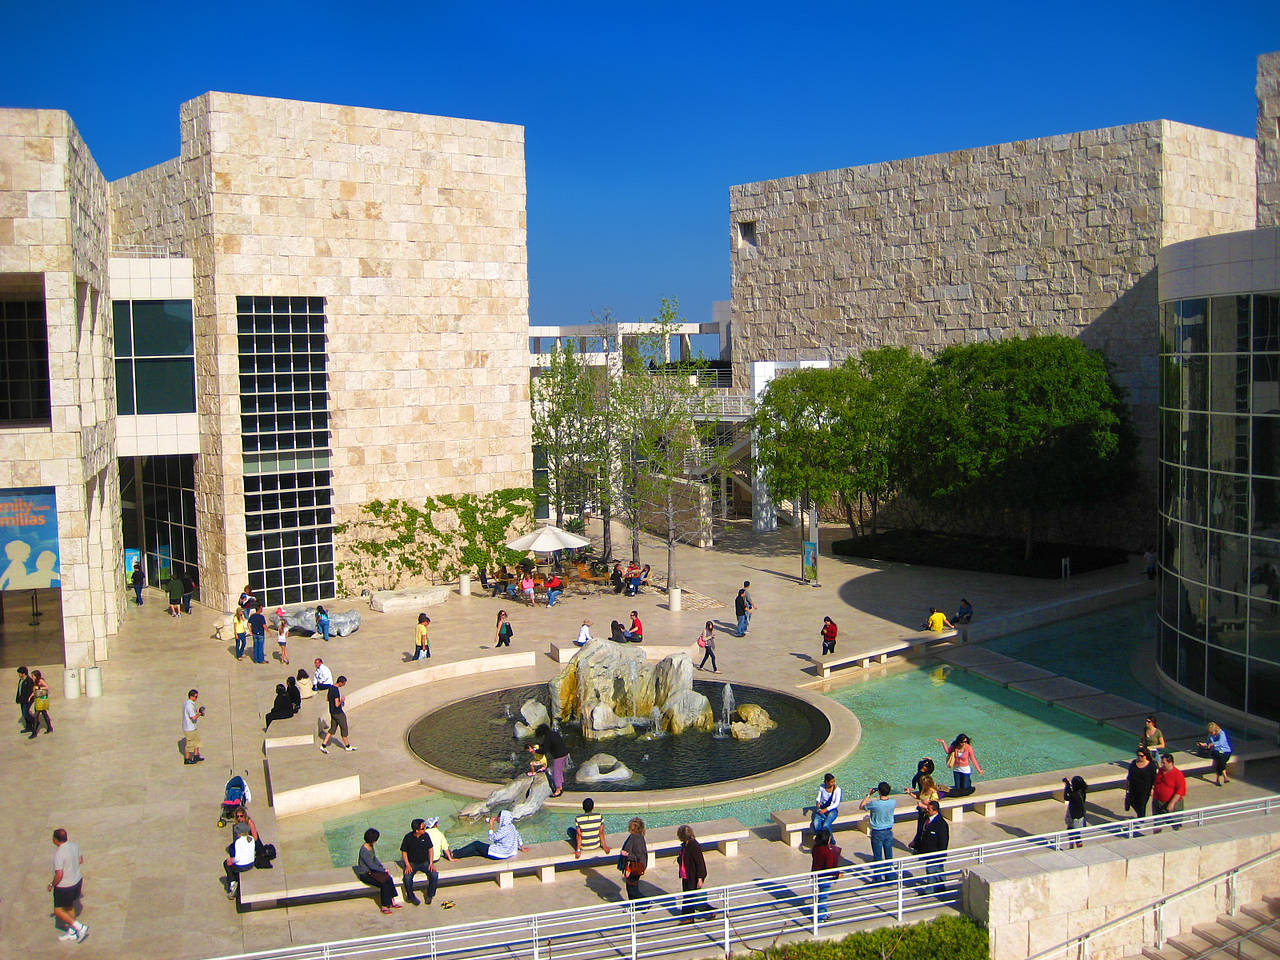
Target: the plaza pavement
(112, 772)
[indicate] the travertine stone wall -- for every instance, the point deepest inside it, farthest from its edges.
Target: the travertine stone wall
(1268, 142)
(54, 230)
(413, 229)
(1055, 235)
(1034, 903)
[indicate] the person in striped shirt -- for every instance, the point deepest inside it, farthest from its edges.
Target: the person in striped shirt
(588, 830)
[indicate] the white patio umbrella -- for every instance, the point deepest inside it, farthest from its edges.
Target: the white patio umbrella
(548, 539)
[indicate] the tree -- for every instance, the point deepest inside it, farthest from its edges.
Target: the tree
(563, 406)
(1033, 424)
(668, 434)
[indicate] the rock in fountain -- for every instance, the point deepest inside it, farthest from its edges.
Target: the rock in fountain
(534, 714)
(526, 795)
(603, 768)
(750, 720)
(606, 683)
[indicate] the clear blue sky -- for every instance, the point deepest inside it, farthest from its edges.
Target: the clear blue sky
(638, 119)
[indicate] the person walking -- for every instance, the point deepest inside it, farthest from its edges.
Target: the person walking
(707, 641)
(827, 806)
(829, 631)
(23, 699)
(935, 837)
(188, 590)
(322, 621)
(1074, 793)
(417, 855)
(740, 611)
(191, 715)
(1170, 789)
(692, 868)
(1152, 738)
(370, 870)
(962, 761)
(282, 634)
(39, 704)
(556, 753)
(337, 716)
(67, 885)
(636, 851)
(1139, 782)
(880, 807)
(1219, 748)
(175, 590)
(422, 642)
(136, 581)
(825, 860)
(258, 625)
(240, 627)
(503, 631)
(750, 604)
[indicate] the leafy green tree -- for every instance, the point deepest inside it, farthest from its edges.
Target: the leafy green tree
(563, 401)
(1033, 424)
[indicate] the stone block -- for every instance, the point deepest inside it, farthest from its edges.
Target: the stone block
(387, 601)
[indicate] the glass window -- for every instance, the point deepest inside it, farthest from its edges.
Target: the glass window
(124, 387)
(1266, 322)
(1227, 619)
(1168, 327)
(162, 328)
(1229, 325)
(166, 386)
(1195, 439)
(123, 328)
(1266, 446)
(1264, 690)
(1171, 377)
(1191, 326)
(24, 362)
(1229, 383)
(1195, 496)
(1266, 507)
(1265, 395)
(1197, 376)
(1225, 678)
(1190, 663)
(1264, 614)
(1229, 443)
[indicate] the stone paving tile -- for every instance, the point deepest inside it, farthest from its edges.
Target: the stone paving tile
(1103, 706)
(1054, 688)
(1007, 673)
(972, 656)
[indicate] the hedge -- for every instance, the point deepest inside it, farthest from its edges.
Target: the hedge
(947, 938)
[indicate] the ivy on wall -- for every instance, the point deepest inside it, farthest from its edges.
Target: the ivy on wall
(393, 543)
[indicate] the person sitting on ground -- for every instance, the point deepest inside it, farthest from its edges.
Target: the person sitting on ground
(965, 613)
(636, 633)
(616, 633)
(282, 709)
(936, 621)
(295, 694)
(584, 634)
(615, 577)
(504, 840)
(537, 760)
(588, 831)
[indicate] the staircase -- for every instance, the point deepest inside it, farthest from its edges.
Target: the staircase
(1252, 934)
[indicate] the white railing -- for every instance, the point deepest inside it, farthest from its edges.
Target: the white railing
(1079, 945)
(150, 251)
(752, 914)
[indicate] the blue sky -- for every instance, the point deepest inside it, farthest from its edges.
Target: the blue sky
(639, 118)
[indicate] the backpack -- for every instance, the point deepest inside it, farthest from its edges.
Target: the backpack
(263, 855)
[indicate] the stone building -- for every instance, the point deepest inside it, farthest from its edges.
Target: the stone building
(212, 362)
(1055, 235)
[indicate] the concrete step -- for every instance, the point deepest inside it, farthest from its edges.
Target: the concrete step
(1248, 924)
(1219, 934)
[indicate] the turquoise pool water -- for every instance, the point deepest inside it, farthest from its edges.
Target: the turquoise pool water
(902, 714)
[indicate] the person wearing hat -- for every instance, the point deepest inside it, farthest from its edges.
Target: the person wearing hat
(282, 634)
(438, 841)
(422, 643)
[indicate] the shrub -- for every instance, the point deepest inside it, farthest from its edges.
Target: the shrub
(952, 938)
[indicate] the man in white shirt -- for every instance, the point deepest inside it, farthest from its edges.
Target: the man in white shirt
(191, 715)
(323, 676)
(66, 885)
(242, 856)
(584, 635)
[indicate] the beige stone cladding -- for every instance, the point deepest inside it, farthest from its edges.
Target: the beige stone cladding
(412, 228)
(54, 238)
(1268, 142)
(1054, 235)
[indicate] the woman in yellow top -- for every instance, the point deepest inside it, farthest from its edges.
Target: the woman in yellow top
(928, 791)
(422, 644)
(240, 627)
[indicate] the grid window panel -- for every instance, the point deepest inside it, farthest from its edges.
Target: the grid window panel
(24, 362)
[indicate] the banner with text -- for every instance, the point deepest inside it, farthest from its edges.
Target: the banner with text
(29, 538)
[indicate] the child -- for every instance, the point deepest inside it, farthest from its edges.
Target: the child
(537, 760)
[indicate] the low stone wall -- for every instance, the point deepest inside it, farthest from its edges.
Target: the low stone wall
(1032, 903)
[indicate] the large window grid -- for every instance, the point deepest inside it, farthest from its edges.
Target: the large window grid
(167, 499)
(24, 363)
(1219, 601)
(155, 356)
(284, 425)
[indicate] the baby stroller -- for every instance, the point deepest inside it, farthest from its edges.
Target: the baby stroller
(235, 795)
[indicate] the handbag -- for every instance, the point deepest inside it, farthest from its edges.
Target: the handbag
(42, 700)
(702, 641)
(951, 759)
(379, 876)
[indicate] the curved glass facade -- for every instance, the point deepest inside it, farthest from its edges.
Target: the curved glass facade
(1219, 551)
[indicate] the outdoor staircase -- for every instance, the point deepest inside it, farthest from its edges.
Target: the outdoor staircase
(1252, 934)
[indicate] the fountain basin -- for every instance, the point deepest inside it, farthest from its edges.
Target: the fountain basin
(475, 739)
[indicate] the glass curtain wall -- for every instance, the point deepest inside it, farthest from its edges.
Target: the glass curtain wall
(1219, 601)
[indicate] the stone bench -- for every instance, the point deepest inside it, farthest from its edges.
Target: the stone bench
(882, 653)
(386, 601)
(564, 651)
(263, 889)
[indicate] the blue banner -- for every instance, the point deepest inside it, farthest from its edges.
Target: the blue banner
(29, 538)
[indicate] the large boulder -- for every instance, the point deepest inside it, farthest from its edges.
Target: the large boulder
(603, 768)
(600, 723)
(755, 715)
(535, 715)
(671, 674)
(687, 710)
(744, 731)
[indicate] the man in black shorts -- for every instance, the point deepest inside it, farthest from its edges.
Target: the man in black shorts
(337, 716)
(418, 856)
(66, 885)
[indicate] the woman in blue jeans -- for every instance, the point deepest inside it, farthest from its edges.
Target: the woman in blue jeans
(962, 761)
(827, 806)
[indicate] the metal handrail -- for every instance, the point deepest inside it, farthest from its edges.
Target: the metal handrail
(763, 908)
(1081, 941)
(1221, 949)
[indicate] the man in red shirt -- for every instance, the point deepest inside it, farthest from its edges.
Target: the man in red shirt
(1170, 789)
(636, 633)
